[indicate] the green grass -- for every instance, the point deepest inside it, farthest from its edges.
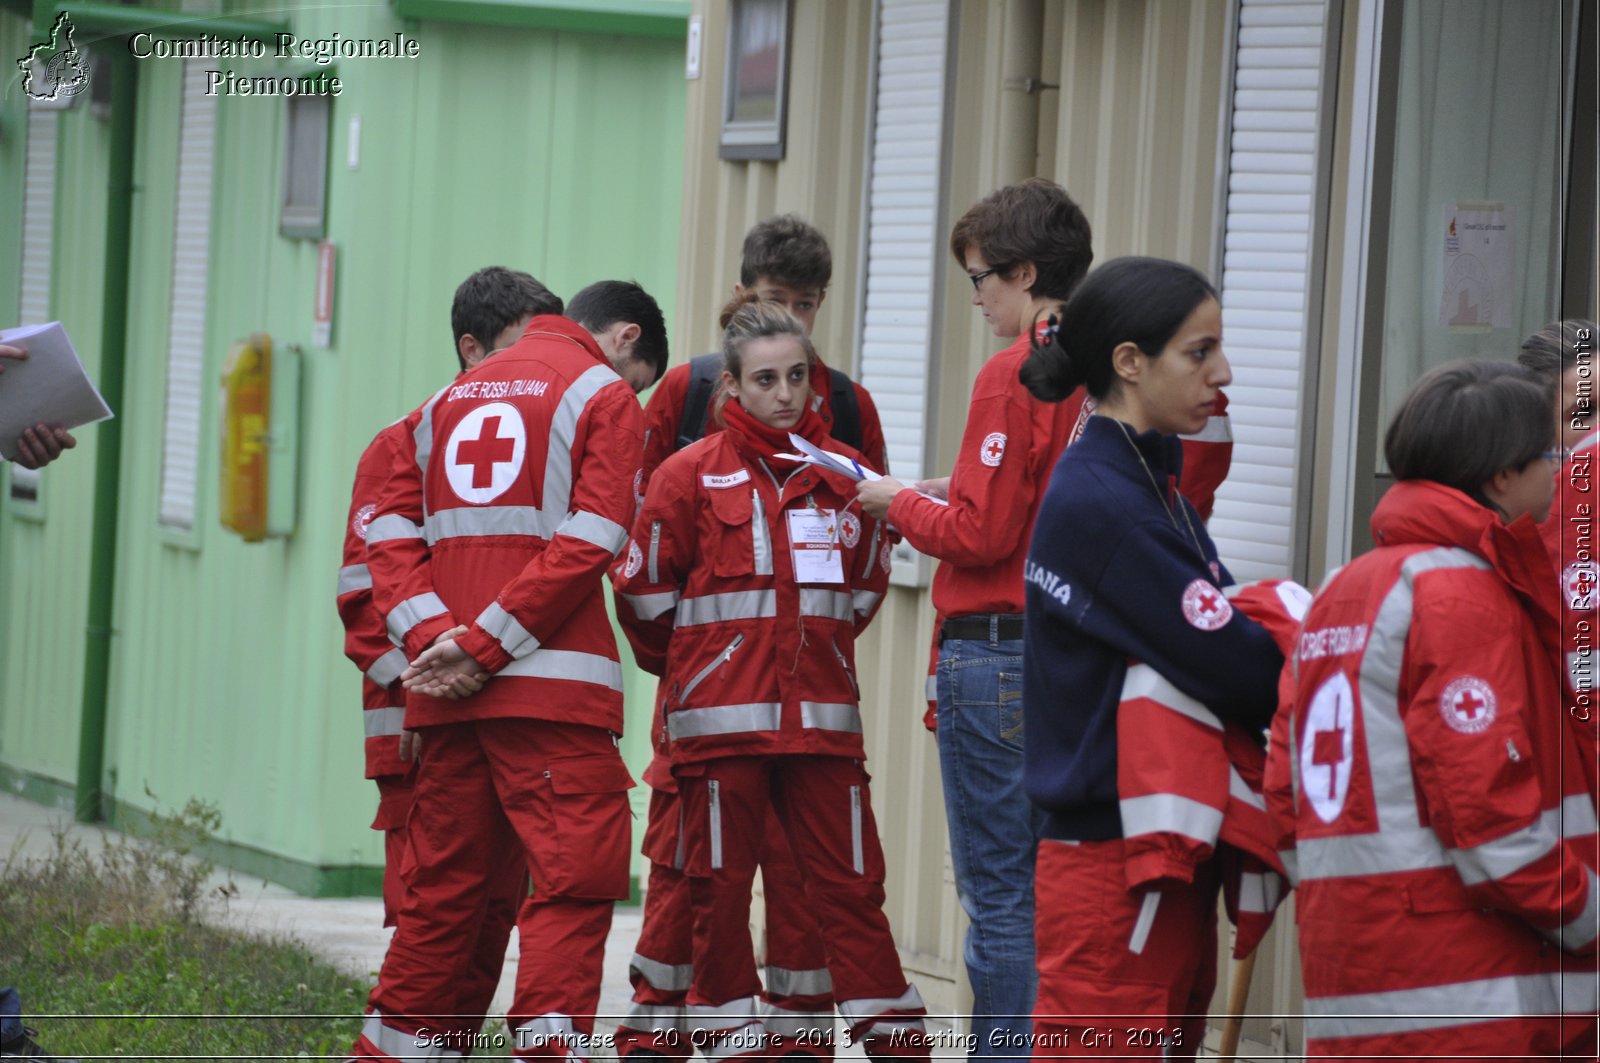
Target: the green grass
(113, 957)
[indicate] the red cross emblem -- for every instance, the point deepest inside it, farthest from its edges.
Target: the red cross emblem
(485, 452)
(993, 449)
(1205, 607)
(1468, 705)
(1327, 746)
(1579, 579)
(1328, 752)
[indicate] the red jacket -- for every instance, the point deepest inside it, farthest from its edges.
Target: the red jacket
(1008, 450)
(366, 640)
(1444, 841)
(511, 492)
(664, 413)
(751, 661)
(1570, 534)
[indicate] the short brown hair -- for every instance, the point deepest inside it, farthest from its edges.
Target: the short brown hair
(789, 250)
(1033, 221)
(1554, 349)
(1463, 422)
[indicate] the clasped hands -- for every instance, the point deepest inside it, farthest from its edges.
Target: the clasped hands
(445, 670)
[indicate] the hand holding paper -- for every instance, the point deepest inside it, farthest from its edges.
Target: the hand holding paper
(43, 394)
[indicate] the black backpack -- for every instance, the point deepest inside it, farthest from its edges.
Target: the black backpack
(705, 369)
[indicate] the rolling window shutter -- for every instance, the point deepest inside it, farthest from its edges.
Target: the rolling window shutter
(1266, 274)
(38, 230)
(191, 246)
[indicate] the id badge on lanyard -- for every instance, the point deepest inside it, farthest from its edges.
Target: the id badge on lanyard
(814, 545)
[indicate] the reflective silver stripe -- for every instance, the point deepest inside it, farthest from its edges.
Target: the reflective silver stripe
(402, 1045)
(716, 662)
(781, 1022)
(857, 851)
(655, 549)
(831, 605)
(1291, 864)
(557, 494)
(413, 611)
(507, 630)
(720, 1018)
(865, 602)
(654, 1017)
(930, 688)
(385, 721)
(1143, 681)
(1259, 892)
(1217, 430)
(1574, 819)
(715, 789)
(786, 982)
(1390, 852)
(723, 720)
(567, 664)
(1401, 843)
(650, 606)
(1505, 855)
(355, 578)
(608, 535)
(830, 716)
(467, 522)
(389, 527)
(1580, 670)
(1147, 919)
(1582, 930)
(388, 668)
(1170, 813)
(1240, 790)
(422, 436)
(1452, 1004)
(760, 537)
(872, 549)
(668, 976)
(864, 1008)
(729, 605)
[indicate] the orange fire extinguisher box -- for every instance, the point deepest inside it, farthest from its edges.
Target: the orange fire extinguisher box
(246, 417)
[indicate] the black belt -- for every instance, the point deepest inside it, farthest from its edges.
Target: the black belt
(981, 627)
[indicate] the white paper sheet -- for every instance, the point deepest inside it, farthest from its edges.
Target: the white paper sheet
(47, 387)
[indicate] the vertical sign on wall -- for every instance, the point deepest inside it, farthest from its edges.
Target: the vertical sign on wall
(322, 322)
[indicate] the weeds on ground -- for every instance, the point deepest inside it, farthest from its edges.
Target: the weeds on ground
(115, 947)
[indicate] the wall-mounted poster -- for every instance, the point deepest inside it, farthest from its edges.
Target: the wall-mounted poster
(1478, 240)
(755, 88)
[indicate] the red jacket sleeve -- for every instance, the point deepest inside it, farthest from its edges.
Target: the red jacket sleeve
(398, 555)
(366, 639)
(606, 451)
(649, 578)
(1480, 787)
(1207, 458)
(663, 415)
(992, 489)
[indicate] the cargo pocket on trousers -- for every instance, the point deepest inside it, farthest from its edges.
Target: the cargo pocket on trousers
(593, 829)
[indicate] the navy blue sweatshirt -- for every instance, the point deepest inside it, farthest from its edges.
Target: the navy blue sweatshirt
(1108, 578)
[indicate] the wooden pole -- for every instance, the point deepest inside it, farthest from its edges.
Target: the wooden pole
(1238, 995)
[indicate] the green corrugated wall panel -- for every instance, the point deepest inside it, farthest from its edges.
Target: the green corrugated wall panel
(553, 152)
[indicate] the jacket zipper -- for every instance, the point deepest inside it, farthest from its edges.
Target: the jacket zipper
(655, 548)
(858, 859)
(716, 662)
(856, 687)
(714, 789)
(760, 539)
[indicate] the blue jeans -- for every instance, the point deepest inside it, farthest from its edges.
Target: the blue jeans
(10, 1015)
(994, 834)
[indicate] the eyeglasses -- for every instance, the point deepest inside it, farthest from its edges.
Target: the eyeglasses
(977, 278)
(1554, 455)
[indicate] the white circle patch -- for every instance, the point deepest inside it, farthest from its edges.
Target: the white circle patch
(1205, 607)
(485, 452)
(1326, 745)
(1578, 583)
(1467, 705)
(635, 561)
(993, 448)
(363, 519)
(849, 529)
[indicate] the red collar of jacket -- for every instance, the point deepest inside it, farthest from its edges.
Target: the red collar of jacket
(547, 325)
(1422, 511)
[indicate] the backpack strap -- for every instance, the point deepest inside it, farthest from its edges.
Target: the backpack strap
(846, 410)
(704, 369)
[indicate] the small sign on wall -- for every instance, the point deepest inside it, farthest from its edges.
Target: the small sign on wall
(1479, 239)
(322, 319)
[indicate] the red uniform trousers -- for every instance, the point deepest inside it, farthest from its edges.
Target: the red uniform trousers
(824, 807)
(799, 992)
(487, 792)
(506, 894)
(1120, 973)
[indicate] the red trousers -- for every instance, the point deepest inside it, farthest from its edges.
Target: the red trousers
(798, 998)
(506, 893)
(824, 808)
(489, 791)
(1121, 975)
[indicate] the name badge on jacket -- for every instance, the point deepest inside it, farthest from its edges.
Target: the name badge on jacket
(814, 542)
